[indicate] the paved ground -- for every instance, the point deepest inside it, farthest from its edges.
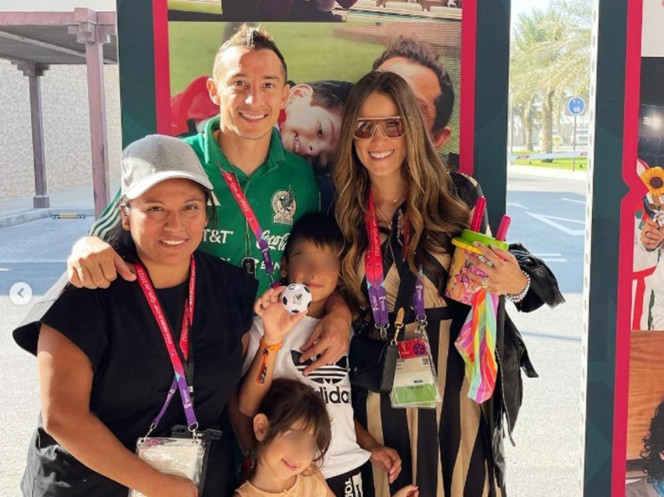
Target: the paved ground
(548, 209)
(546, 461)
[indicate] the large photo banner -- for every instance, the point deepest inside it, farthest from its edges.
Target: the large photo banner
(645, 406)
(168, 50)
(327, 46)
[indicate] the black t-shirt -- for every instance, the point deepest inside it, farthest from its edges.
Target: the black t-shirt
(116, 329)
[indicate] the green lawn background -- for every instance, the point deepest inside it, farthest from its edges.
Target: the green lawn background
(579, 162)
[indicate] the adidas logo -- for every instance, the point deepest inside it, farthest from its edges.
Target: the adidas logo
(329, 374)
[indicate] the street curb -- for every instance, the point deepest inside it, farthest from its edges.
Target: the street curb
(27, 215)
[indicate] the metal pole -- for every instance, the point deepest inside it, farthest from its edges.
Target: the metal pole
(574, 144)
(87, 31)
(34, 73)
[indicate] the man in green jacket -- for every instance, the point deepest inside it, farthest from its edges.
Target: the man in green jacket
(260, 189)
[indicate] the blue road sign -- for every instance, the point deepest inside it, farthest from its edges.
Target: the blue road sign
(576, 106)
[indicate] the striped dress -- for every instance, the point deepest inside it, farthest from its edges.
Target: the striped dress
(445, 451)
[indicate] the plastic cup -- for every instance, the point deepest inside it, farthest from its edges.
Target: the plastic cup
(459, 286)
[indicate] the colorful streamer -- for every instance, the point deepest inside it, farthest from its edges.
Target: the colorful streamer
(477, 345)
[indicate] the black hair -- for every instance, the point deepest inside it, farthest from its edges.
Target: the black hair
(320, 229)
(421, 53)
(330, 94)
(653, 446)
(254, 37)
(290, 401)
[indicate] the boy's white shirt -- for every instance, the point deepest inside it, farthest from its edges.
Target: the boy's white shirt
(331, 381)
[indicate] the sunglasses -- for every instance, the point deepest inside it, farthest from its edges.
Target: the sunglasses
(392, 127)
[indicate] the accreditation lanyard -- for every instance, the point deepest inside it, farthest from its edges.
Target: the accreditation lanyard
(180, 380)
(249, 215)
(376, 279)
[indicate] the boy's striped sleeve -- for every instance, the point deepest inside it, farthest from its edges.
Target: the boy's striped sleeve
(107, 220)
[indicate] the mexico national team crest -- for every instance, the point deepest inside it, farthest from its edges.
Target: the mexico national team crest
(283, 205)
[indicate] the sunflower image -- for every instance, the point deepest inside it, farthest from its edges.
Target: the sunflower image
(653, 178)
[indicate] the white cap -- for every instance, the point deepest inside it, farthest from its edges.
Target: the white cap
(156, 158)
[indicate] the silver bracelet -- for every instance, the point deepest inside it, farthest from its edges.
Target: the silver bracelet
(515, 298)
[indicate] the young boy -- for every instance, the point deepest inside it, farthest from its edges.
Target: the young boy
(310, 125)
(311, 120)
(311, 257)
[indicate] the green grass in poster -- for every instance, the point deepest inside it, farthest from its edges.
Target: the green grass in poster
(312, 52)
(201, 6)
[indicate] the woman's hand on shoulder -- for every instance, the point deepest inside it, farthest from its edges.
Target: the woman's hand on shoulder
(503, 274)
(277, 321)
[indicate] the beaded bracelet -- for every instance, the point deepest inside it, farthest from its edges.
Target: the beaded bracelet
(515, 298)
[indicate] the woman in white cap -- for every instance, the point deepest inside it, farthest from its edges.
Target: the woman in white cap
(111, 360)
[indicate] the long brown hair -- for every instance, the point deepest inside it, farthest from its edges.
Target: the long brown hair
(434, 211)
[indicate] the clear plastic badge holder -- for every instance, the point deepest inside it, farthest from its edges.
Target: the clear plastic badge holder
(415, 379)
(181, 455)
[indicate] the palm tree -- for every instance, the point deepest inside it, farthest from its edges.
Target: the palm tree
(526, 94)
(551, 60)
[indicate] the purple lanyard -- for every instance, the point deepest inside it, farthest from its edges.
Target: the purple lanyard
(180, 380)
(376, 279)
(418, 301)
(249, 215)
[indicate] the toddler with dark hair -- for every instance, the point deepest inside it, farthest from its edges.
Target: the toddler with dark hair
(293, 431)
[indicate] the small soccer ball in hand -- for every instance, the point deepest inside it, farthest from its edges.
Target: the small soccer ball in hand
(296, 298)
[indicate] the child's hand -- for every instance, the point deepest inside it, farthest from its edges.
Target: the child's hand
(408, 491)
(277, 321)
(388, 460)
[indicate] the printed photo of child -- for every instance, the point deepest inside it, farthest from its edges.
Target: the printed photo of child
(310, 124)
(311, 120)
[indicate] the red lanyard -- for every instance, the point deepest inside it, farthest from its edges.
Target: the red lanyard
(187, 319)
(373, 264)
(374, 271)
(249, 215)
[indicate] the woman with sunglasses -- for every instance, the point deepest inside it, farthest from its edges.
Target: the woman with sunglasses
(394, 191)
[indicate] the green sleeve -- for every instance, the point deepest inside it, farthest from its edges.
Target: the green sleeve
(107, 220)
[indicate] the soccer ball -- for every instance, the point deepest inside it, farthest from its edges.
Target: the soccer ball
(296, 298)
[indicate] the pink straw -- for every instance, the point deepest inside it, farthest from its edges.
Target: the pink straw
(476, 224)
(501, 235)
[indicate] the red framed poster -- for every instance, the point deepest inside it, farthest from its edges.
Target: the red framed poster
(330, 48)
